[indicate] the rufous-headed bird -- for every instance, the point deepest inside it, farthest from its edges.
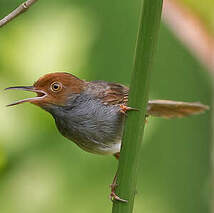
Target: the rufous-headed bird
(91, 114)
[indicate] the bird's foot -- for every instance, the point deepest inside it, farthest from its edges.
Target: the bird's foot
(124, 108)
(113, 195)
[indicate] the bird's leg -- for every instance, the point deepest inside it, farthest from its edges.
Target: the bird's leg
(125, 108)
(113, 195)
(117, 155)
(113, 186)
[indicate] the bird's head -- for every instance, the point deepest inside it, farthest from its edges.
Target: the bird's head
(52, 89)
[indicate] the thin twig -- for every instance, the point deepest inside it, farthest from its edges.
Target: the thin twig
(20, 9)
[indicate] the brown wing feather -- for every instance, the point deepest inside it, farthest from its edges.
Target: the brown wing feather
(116, 94)
(172, 109)
(109, 93)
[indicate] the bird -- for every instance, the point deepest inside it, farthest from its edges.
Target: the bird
(92, 113)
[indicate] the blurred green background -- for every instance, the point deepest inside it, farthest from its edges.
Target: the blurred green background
(40, 171)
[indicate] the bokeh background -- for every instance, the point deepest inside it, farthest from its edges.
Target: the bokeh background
(40, 171)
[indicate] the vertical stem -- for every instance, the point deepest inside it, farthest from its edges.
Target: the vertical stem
(138, 98)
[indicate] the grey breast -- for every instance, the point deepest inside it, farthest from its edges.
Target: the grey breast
(92, 125)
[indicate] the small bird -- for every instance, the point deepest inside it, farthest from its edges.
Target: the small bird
(92, 114)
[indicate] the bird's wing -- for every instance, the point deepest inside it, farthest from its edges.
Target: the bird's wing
(173, 109)
(109, 93)
(116, 94)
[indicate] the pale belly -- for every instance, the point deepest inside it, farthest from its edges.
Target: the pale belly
(101, 149)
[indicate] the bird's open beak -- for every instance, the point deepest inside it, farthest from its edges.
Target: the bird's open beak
(40, 94)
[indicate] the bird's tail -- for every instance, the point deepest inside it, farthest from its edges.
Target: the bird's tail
(174, 109)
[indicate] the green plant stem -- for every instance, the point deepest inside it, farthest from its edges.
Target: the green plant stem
(138, 98)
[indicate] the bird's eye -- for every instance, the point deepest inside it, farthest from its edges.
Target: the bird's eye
(56, 86)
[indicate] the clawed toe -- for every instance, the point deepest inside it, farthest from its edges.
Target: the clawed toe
(113, 196)
(125, 108)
